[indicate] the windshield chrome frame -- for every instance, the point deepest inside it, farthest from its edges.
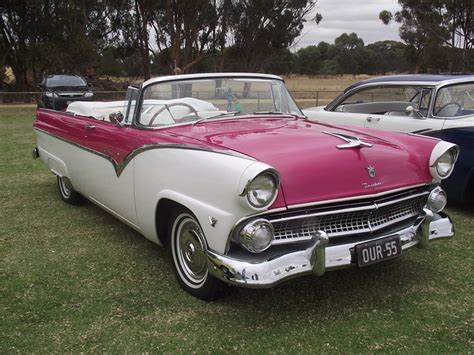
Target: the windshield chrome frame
(195, 77)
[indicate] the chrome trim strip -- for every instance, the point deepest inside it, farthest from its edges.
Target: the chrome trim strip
(115, 214)
(114, 164)
(119, 167)
(335, 211)
(383, 204)
(360, 197)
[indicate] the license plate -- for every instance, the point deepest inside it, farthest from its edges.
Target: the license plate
(378, 250)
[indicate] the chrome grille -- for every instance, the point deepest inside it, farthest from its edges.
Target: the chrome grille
(365, 218)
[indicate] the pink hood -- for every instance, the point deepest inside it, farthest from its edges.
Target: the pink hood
(311, 167)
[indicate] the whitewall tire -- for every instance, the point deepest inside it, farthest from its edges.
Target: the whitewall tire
(67, 192)
(187, 246)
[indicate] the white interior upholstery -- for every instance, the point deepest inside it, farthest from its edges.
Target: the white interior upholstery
(102, 110)
(95, 109)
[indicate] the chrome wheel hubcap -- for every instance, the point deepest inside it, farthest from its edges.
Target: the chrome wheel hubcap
(191, 250)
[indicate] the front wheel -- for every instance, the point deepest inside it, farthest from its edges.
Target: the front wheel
(188, 253)
(67, 192)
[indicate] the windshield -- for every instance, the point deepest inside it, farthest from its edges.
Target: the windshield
(454, 101)
(198, 99)
(65, 80)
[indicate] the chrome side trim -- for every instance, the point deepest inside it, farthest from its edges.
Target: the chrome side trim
(115, 214)
(360, 197)
(113, 162)
(120, 166)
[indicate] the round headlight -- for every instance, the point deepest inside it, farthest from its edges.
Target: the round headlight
(442, 160)
(256, 236)
(437, 200)
(445, 163)
(261, 191)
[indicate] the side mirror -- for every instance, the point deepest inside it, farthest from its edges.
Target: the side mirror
(414, 112)
(116, 118)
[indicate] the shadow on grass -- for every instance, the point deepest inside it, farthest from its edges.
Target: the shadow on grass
(337, 294)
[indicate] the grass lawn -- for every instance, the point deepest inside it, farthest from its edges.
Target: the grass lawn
(75, 279)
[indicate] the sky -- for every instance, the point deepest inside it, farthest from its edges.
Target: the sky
(359, 16)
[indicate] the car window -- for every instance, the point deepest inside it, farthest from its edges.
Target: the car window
(65, 80)
(165, 103)
(384, 94)
(455, 100)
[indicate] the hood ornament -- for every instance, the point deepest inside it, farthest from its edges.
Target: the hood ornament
(352, 142)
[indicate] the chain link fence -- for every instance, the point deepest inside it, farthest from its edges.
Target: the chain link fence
(304, 99)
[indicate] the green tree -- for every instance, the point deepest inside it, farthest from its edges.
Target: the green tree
(430, 25)
(261, 28)
(348, 48)
(53, 36)
(309, 60)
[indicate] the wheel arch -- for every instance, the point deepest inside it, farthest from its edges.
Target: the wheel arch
(216, 232)
(164, 210)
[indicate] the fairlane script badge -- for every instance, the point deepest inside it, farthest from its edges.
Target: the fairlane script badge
(366, 185)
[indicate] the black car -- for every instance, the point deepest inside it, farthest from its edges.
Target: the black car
(60, 90)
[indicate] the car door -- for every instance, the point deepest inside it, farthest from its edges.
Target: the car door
(107, 177)
(414, 118)
(403, 123)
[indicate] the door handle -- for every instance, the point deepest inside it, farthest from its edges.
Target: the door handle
(375, 119)
(89, 126)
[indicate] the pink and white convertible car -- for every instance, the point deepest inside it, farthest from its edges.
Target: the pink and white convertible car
(225, 171)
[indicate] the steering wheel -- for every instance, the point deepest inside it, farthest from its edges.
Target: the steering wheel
(449, 105)
(167, 108)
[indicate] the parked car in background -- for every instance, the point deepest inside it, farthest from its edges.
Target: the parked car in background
(435, 105)
(59, 90)
(250, 196)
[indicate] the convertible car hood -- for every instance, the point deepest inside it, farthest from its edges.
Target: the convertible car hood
(311, 166)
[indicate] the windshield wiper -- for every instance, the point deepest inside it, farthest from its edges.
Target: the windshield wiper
(277, 113)
(268, 113)
(233, 113)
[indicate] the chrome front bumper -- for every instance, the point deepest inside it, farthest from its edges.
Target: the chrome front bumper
(319, 257)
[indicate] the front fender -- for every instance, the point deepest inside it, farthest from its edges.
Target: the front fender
(205, 182)
(215, 222)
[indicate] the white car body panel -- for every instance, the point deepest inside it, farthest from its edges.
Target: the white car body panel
(133, 196)
(387, 123)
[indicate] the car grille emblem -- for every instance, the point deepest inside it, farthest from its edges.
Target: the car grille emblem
(371, 171)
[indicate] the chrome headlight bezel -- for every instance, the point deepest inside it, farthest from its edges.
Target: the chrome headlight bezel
(269, 177)
(443, 151)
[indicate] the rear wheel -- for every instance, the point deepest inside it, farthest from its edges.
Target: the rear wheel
(67, 192)
(188, 254)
